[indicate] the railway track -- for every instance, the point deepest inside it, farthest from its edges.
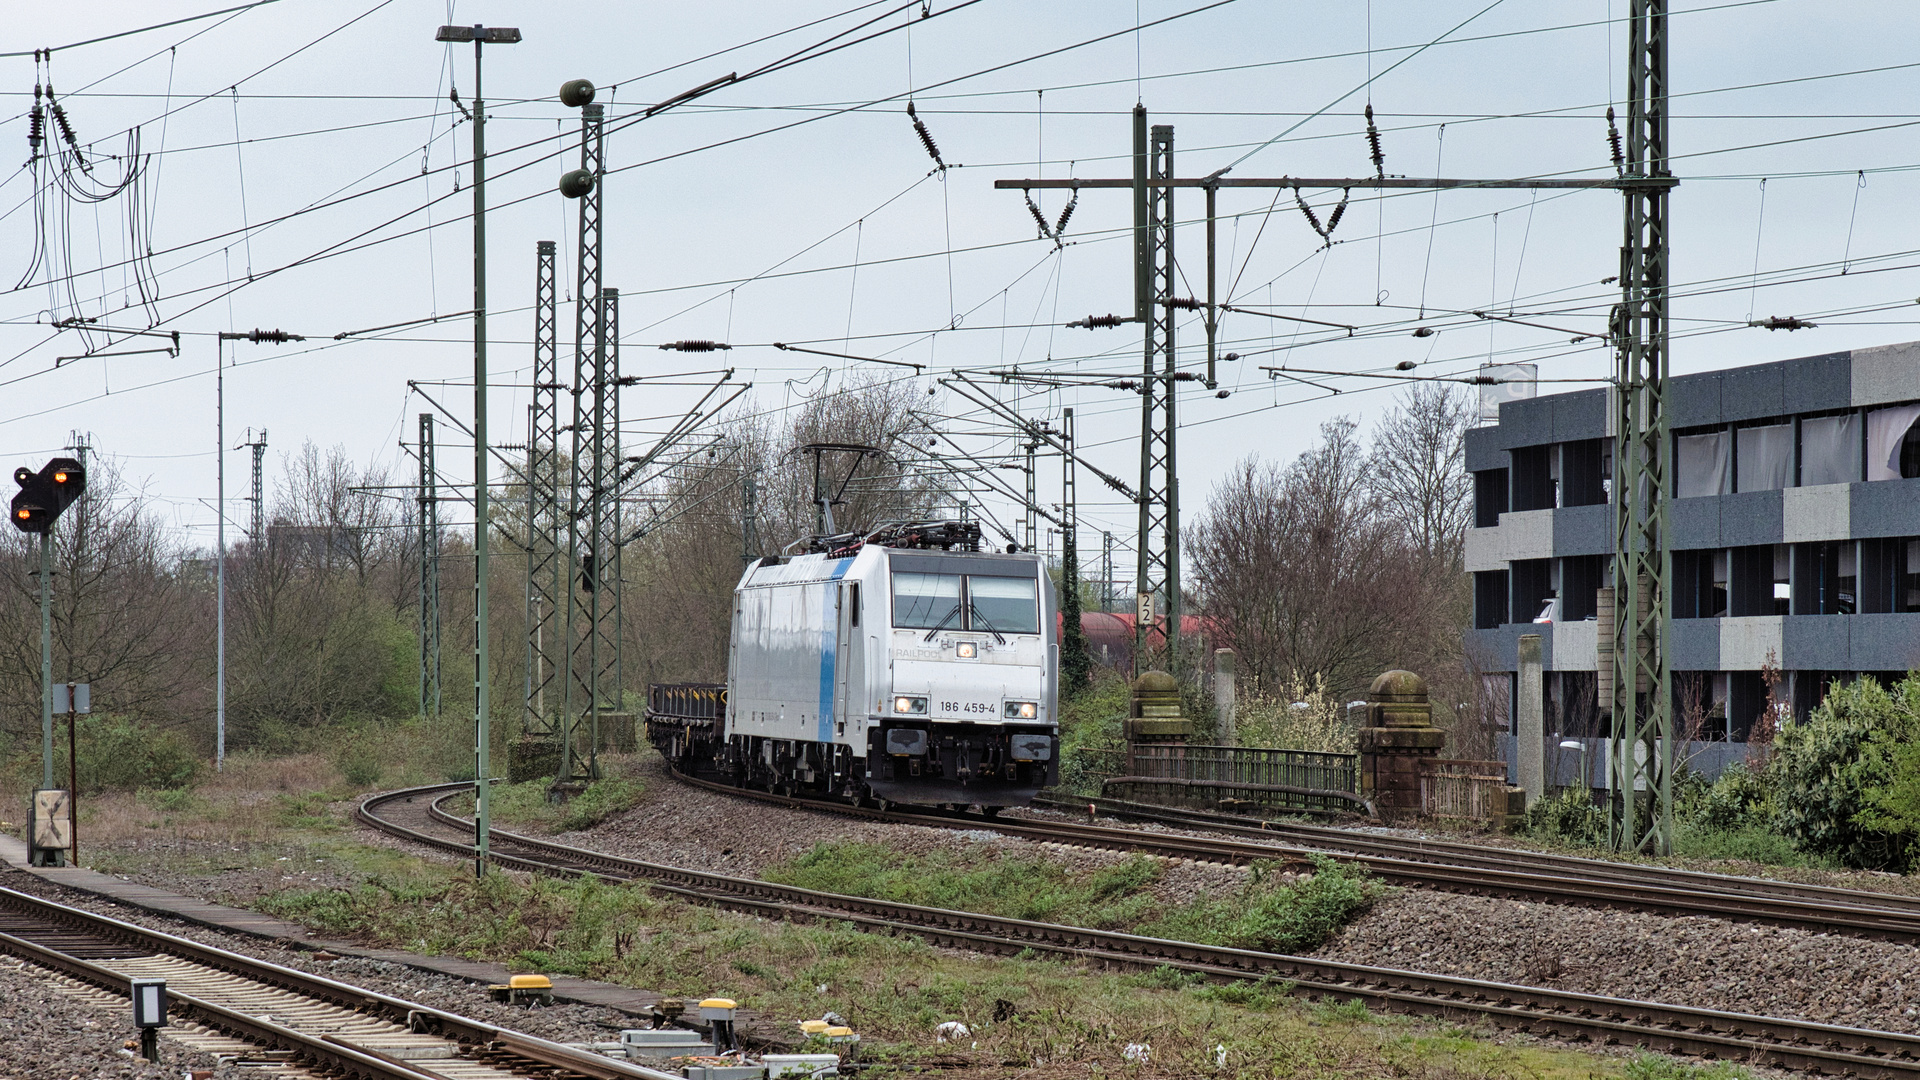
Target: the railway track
(1454, 867)
(266, 1015)
(417, 814)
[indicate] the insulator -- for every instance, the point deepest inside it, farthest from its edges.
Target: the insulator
(1405, 365)
(1613, 143)
(695, 345)
(1066, 215)
(1184, 303)
(1231, 356)
(1224, 394)
(1333, 221)
(1185, 376)
(1313, 219)
(927, 141)
(36, 124)
(60, 118)
(1373, 142)
(1424, 331)
(272, 337)
(1038, 218)
(1097, 322)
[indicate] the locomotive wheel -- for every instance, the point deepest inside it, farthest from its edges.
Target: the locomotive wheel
(991, 811)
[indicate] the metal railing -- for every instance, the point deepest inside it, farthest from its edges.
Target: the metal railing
(1464, 790)
(1239, 779)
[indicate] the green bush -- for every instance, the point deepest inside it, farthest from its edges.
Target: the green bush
(1738, 800)
(603, 799)
(119, 754)
(1272, 916)
(1893, 798)
(1824, 768)
(1570, 815)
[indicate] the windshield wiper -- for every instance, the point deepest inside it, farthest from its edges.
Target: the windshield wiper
(986, 622)
(942, 625)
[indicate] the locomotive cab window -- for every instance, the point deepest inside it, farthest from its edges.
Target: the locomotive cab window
(973, 602)
(1008, 604)
(924, 601)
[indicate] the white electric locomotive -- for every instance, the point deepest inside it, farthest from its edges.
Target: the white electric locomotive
(889, 669)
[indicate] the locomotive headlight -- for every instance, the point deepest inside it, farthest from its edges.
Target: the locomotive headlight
(910, 706)
(1022, 710)
(966, 650)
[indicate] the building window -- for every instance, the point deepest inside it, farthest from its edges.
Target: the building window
(1580, 586)
(1700, 465)
(1889, 575)
(1533, 482)
(1532, 589)
(1489, 497)
(1699, 584)
(1826, 578)
(1489, 599)
(1583, 477)
(1893, 443)
(1830, 449)
(1763, 456)
(1757, 581)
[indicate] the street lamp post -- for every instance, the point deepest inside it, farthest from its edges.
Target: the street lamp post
(480, 35)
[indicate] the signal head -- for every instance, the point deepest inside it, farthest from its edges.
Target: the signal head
(576, 92)
(23, 476)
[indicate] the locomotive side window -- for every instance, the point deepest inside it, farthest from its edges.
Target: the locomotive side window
(924, 601)
(1007, 604)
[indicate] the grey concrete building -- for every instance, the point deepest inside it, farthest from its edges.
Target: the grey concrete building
(1794, 523)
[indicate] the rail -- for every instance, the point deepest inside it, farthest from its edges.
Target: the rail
(327, 1051)
(1794, 1044)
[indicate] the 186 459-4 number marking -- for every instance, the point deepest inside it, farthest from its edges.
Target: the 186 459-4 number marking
(976, 707)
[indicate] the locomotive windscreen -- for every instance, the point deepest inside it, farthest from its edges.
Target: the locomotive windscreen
(959, 593)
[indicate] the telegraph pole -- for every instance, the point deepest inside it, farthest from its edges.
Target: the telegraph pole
(482, 539)
(1642, 564)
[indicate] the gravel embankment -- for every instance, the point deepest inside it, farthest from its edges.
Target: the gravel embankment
(682, 825)
(563, 1023)
(45, 1033)
(1704, 962)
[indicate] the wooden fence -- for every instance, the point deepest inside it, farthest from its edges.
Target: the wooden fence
(1464, 790)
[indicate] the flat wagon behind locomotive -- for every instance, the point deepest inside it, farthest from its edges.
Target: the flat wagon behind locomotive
(905, 666)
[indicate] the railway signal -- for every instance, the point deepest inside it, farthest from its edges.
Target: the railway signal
(44, 494)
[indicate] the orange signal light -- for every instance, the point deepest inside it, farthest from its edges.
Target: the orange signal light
(60, 477)
(23, 513)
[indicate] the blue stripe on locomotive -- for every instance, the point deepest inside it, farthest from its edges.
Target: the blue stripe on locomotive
(829, 633)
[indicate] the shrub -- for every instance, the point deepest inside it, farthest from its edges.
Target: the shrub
(1893, 798)
(1295, 714)
(115, 753)
(1738, 800)
(1822, 772)
(1570, 815)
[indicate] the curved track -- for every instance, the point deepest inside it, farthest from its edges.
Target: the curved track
(235, 1005)
(1451, 867)
(416, 814)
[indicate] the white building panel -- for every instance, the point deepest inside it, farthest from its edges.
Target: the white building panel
(1822, 512)
(1886, 373)
(1747, 641)
(1576, 645)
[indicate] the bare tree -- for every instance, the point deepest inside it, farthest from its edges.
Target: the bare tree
(1417, 470)
(1306, 576)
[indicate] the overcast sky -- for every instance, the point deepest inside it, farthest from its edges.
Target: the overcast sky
(800, 206)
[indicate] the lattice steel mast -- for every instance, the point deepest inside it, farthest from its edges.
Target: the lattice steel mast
(1641, 695)
(428, 525)
(545, 649)
(588, 475)
(1158, 577)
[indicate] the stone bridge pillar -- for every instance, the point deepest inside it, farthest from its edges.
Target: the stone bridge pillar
(1399, 735)
(1154, 716)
